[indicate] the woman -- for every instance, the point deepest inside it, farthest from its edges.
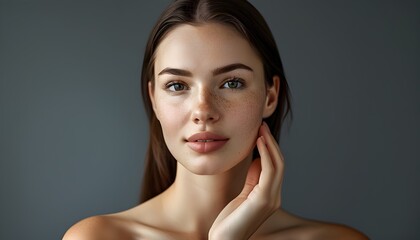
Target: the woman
(216, 96)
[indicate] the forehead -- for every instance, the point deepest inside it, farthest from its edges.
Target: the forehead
(206, 46)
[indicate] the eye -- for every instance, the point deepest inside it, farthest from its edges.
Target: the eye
(175, 86)
(233, 83)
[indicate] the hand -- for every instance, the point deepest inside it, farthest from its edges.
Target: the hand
(259, 198)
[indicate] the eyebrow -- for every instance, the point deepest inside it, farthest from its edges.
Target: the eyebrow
(217, 71)
(175, 71)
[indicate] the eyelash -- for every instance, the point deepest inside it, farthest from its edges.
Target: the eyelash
(172, 84)
(240, 81)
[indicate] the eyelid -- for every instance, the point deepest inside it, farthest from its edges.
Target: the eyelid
(235, 79)
(173, 82)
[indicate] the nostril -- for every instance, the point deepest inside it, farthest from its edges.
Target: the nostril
(202, 118)
(204, 112)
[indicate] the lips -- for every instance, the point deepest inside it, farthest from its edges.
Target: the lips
(206, 142)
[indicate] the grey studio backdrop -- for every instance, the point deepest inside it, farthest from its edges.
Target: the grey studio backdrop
(73, 131)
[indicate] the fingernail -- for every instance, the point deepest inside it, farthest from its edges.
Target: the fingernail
(263, 140)
(266, 125)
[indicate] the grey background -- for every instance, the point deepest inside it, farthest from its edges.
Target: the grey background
(73, 132)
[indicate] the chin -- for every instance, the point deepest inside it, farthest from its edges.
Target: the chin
(205, 166)
(214, 165)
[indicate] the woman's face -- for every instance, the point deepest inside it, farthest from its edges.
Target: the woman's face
(210, 96)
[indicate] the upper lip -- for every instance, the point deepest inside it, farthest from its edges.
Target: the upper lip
(207, 136)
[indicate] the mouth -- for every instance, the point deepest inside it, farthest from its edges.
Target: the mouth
(206, 137)
(206, 142)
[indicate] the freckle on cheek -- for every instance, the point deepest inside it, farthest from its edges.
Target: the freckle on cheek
(223, 103)
(255, 104)
(249, 110)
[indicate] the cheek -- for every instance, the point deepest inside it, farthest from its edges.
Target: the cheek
(247, 113)
(171, 117)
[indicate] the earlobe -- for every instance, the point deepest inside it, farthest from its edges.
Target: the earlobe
(272, 97)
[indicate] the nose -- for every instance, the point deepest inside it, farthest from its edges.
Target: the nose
(205, 108)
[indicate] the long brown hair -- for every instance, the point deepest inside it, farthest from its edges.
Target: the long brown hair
(160, 167)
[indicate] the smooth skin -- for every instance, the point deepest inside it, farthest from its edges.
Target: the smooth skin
(222, 194)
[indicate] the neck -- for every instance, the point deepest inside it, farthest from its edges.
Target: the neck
(196, 200)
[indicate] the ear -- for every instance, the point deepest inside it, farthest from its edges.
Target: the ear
(152, 97)
(272, 97)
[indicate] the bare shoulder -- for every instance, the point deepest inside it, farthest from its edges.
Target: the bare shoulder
(139, 222)
(287, 226)
(330, 231)
(97, 227)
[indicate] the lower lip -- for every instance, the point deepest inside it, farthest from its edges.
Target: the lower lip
(206, 147)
